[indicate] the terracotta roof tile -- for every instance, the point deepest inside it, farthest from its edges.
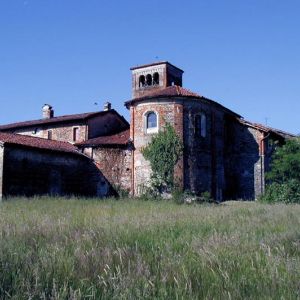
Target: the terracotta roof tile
(266, 128)
(60, 119)
(170, 91)
(35, 142)
(176, 91)
(118, 139)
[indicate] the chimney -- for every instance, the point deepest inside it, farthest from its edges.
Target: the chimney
(48, 112)
(107, 106)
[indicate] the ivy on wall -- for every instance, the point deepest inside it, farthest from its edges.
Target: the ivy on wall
(163, 152)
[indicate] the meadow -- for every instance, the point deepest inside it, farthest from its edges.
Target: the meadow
(133, 249)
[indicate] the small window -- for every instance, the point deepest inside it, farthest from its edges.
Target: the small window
(149, 79)
(151, 122)
(142, 81)
(155, 78)
(75, 134)
(49, 134)
(200, 125)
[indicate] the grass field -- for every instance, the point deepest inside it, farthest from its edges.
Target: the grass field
(129, 249)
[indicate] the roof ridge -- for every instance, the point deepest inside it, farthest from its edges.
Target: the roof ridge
(37, 142)
(266, 128)
(63, 118)
(119, 138)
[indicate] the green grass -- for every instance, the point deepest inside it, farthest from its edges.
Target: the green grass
(117, 249)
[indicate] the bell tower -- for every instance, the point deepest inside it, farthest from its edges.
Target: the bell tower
(156, 76)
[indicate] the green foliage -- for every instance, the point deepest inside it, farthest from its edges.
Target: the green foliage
(206, 197)
(286, 162)
(284, 177)
(287, 192)
(130, 249)
(163, 152)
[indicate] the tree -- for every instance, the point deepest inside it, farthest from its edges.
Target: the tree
(284, 177)
(163, 152)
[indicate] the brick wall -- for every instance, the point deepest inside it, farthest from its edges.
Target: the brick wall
(115, 164)
(203, 157)
(167, 111)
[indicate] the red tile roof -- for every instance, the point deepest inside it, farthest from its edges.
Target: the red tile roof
(170, 91)
(176, 91)
(35, 142)
(60, 119)
(266, 129)
(118, 139)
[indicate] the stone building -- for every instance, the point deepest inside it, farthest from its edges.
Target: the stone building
(34, 166)
(223, 153)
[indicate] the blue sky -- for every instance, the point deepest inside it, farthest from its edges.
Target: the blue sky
(71, 54)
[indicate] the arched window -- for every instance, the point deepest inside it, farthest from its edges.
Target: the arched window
(142, 81)
(155, 78)
(151, 122)
(200, 125)
(148, 79)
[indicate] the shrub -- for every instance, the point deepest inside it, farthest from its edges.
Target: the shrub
(284, 177)
(163, 152)
(286, 162)
(287, 192)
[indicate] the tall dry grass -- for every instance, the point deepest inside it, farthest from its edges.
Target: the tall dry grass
(128, 249)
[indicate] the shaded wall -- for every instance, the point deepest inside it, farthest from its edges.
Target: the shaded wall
(244, 168)
(29, 172)
(203, 156)
(105, 125)
(115, 164)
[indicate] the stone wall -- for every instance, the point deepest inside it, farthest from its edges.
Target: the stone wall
(244, 167)
(29, 172)
(62, 132)
(202, 167)
(167, 111)
(115, 164)
(203, 156)
(105, 125)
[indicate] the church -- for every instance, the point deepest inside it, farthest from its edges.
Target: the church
(97, 154)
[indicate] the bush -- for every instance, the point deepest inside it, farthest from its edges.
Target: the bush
(284, 177)
(288, 192)
(286, 162)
